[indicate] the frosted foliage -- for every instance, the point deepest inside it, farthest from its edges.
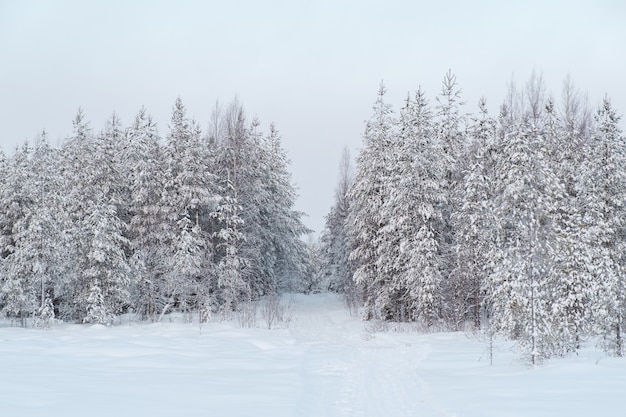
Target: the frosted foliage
(115, 221)
(106, 261)
(603, 184)
(97, 312)
(335, 268)
(254, 172)
(526, 198)
(514, 223)
(472, 223)
(45, 314)
(395, 214)
(367, 195)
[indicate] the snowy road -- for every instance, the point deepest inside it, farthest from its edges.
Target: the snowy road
(358, 372)
(325, 363)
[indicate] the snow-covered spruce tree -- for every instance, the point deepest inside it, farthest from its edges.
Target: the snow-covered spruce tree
(35, 259)
(571, 280)
(237, 158)
(231, 287)
(417, 200)
(567, 133)
(525, 196)
(283, 225)
(77, 168)
(190, 194)
(449, 131)
(255, 169)
(93, 201)
(45, 244)
(336, 268)
(472, 221)
(603, 185)
(143, 160)
(17, 297)
(97, 311)
(105, 264)
(394, 300)
(367, 197)
(103, 243)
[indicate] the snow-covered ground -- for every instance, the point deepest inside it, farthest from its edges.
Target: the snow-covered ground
(324, 363)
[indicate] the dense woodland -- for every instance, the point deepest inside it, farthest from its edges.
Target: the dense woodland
(512, 223)
(126, 221)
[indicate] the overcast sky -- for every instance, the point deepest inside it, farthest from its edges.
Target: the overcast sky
(311, 67)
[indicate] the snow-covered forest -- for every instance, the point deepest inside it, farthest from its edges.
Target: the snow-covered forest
(123, 220)
(512, 222)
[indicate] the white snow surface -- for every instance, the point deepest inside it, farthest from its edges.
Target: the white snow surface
(323, 363)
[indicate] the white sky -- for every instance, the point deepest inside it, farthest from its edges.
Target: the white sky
(311, 67)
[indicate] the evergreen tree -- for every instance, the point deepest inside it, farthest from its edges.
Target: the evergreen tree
(46, 245)
(335, 264)
(230, 282)
(144, 163)
(367, 198)
(253, 170)
(525, 200)
(97, 312)
(179, 239)
(105, 265)
(283, 227)
(449, 133)
(472, 222)
(17, 296)
(603, 187)
(77, 170)
(571, 283)
(191, 194)
(413, 216)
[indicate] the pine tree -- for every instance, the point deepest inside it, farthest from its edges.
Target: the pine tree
(449, 133)
(16, 282)
(230, 281)
(45, 244)
(77, 168)
(97, 311)
(418, 198)
(282, 224)
(335, 264)
(472, 222)
(190, 195)
(526, 194)
(367, 197)
(145, 169)
(253, 171)
(105, 265)
(603, 186)
(237, 164)
(571, 279)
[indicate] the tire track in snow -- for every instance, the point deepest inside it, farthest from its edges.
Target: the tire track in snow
(356, 373)
(385, 381)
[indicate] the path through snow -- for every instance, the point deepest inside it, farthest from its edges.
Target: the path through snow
(325, 363)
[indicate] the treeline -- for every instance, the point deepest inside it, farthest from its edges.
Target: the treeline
(515, 223)
(124, 220)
